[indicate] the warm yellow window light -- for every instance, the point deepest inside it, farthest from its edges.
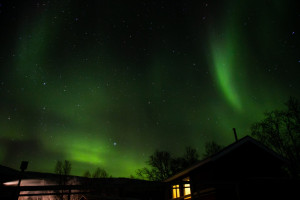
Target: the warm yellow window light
(187, 189)
(176, 192)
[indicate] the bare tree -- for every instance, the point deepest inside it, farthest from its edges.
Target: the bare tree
(87, 174)
(178, 164)
(211, 148)
(161, 162)
(191, 156)
(100, 173)
(280, 131)
(148, 174)
(63, 169)
(67, 166)
(162, 165)
(58, 168)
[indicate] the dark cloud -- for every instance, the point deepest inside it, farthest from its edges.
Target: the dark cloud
(28, 150)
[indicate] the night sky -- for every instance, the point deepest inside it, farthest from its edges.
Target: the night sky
(106, 83)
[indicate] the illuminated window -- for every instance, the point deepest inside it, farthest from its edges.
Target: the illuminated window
(175, 191)
(187, 188)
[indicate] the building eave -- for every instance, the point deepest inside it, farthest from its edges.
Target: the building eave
(222, 153)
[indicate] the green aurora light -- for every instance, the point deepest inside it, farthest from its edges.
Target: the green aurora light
(106, 84)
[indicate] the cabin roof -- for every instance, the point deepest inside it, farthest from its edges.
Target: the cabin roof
(223, 152)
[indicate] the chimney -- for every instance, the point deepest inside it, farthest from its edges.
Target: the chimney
(235, 135)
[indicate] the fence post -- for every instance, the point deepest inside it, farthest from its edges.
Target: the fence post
(69, 194)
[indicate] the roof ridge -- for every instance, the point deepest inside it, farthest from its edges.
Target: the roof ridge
(223, 152)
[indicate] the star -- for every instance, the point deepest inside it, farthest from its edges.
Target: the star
(77, 84)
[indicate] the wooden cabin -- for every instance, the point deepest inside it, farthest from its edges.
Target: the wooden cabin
(245, 169)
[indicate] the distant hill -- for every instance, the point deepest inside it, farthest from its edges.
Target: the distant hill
(8, 174)
(100, 188)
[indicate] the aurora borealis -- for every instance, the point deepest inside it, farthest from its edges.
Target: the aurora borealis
(106, 83)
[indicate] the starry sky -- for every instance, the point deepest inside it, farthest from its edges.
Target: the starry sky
(106, 83)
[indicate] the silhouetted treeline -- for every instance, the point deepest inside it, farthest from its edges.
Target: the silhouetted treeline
(99, 173)
(162, 165)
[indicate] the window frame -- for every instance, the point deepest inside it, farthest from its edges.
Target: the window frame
(176, 191)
